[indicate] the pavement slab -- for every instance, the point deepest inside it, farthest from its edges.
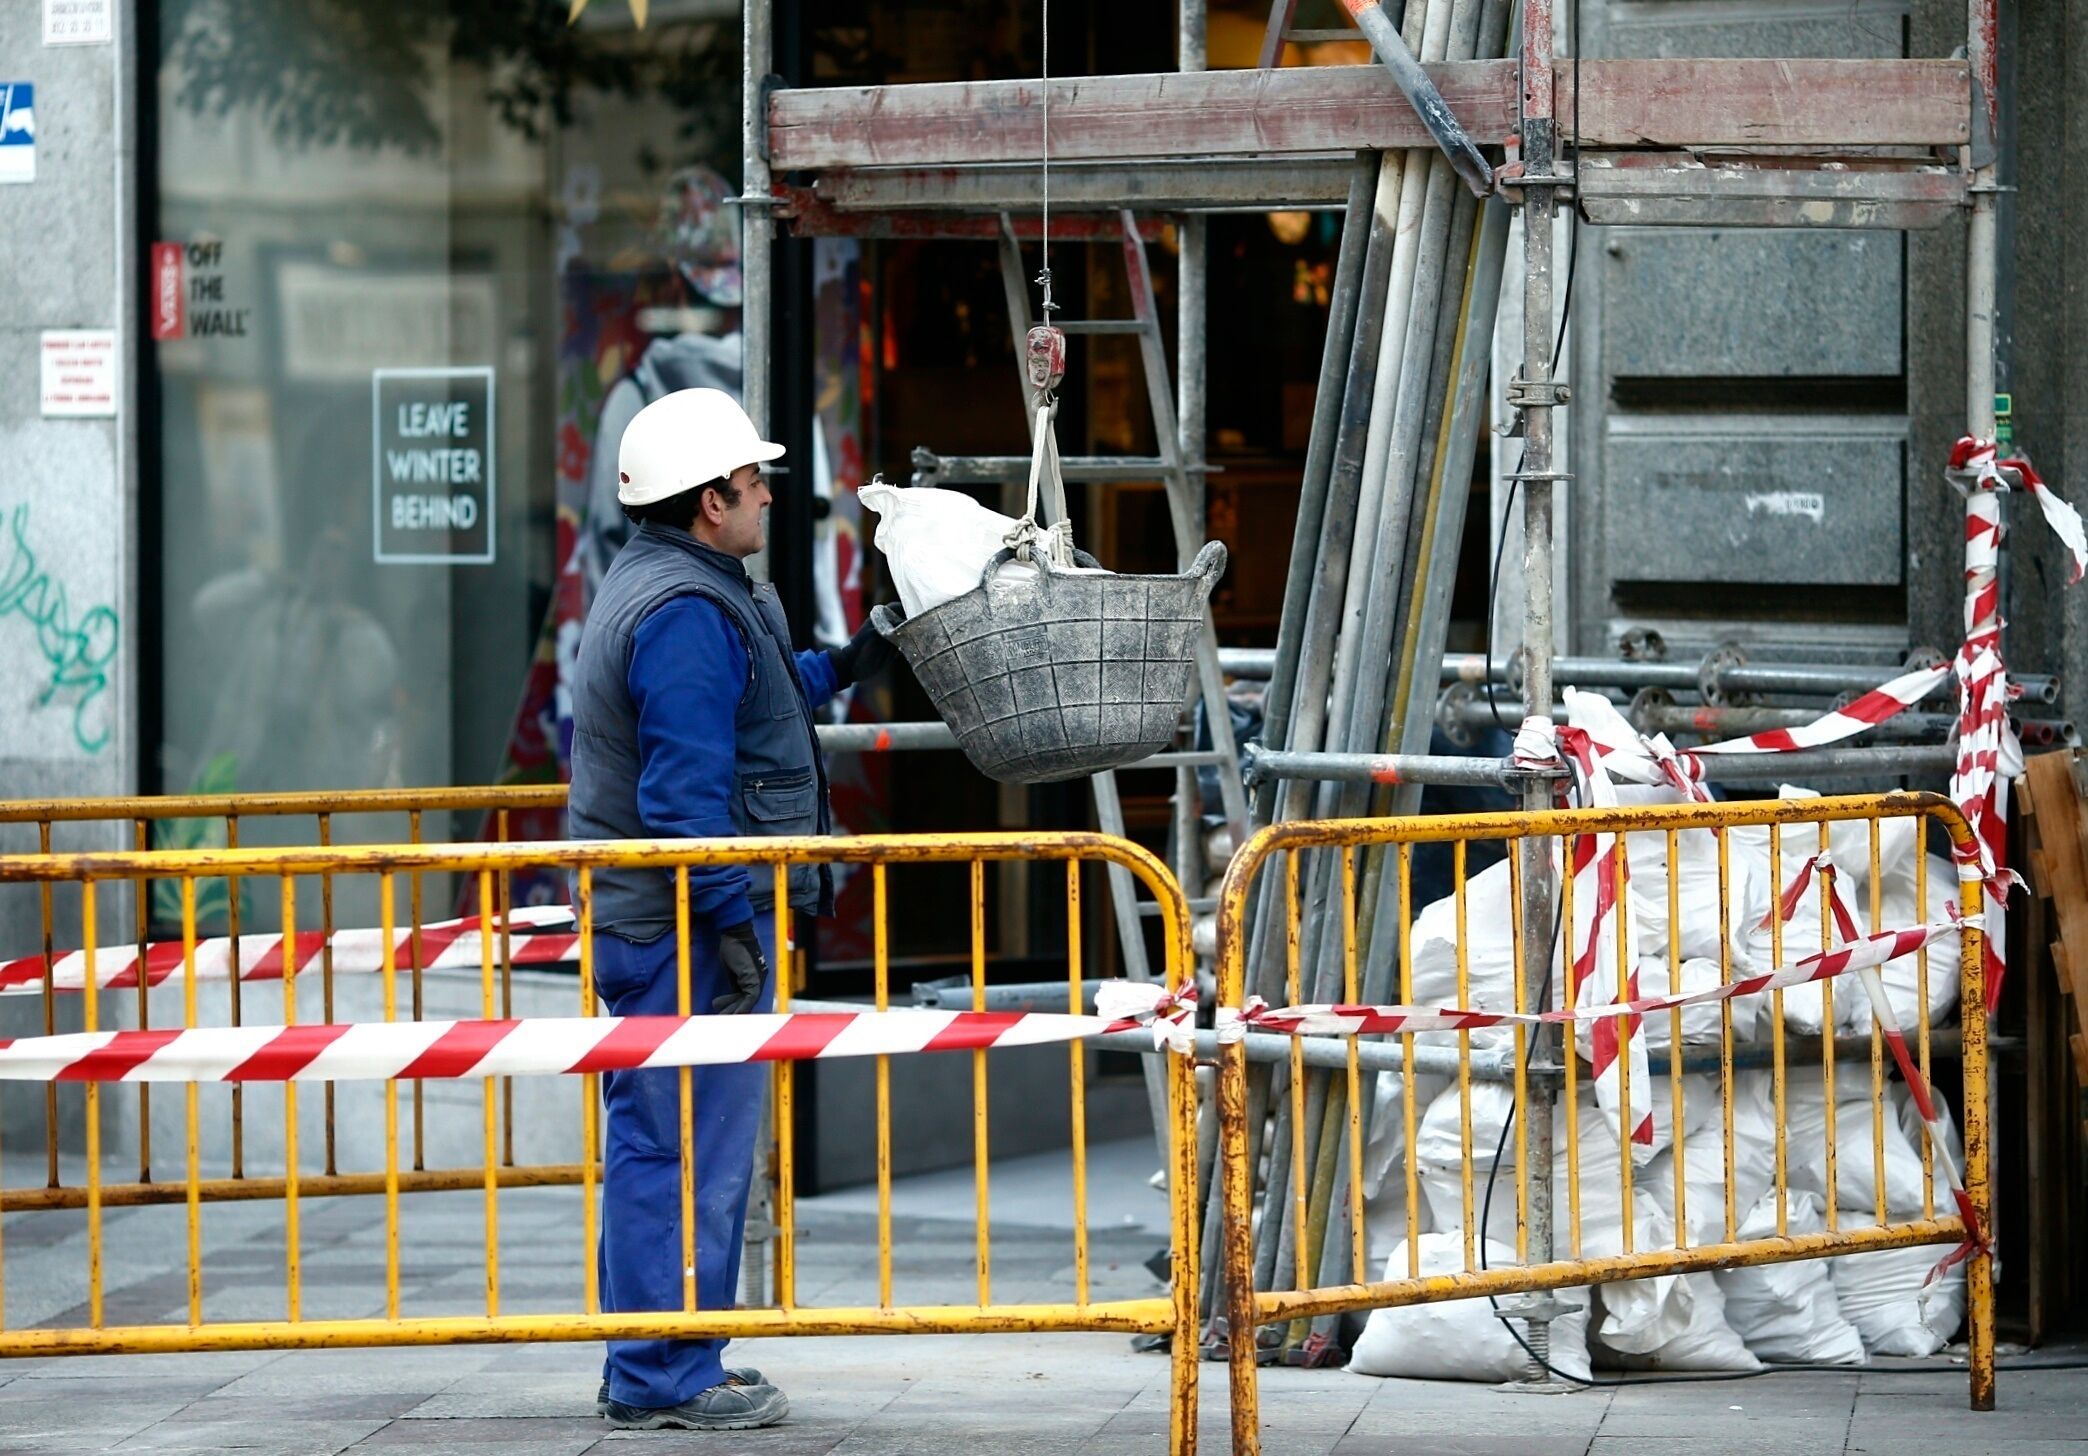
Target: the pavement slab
(994, 1395)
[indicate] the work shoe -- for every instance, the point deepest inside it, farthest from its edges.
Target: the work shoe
(746, 1375)
(726, 1406)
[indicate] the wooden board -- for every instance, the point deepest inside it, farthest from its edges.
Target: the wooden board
(1184, 114)
(1694, 103)
(2053, 818)
(1623, 103)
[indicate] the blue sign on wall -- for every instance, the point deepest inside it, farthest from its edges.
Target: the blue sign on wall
(17, 131)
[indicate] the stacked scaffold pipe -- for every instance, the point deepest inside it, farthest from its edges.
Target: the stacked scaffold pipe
(1360, 655)
(1381, 511)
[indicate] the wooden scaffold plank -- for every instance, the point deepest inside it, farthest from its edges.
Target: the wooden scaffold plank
(1623, 103)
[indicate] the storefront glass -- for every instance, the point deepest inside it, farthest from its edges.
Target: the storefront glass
(417, 266)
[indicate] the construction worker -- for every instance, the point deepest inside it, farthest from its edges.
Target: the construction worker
(692, 717)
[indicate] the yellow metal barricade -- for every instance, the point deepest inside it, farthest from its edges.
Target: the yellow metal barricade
(1380, 853)
(101, 881)
(154, 822)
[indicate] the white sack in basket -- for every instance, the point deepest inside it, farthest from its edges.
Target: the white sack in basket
(936, 542)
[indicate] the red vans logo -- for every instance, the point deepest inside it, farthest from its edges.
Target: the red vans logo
(169, 318)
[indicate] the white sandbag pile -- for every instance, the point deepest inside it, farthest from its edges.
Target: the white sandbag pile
(1788, 1312)
(1688, 1332)
(1490, 913)
(1829, 1311)
(1849, 845)
(1384, 1166)
(1703, 1198)
(1889, 1295)
(1855, 1168)
(1460, 1339)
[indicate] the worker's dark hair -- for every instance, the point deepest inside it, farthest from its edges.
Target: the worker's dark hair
(680, 509)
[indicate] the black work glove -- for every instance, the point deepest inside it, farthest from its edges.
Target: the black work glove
(740, 951)
(867, 654)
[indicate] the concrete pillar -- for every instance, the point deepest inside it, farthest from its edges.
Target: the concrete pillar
(70, 614)
(68, 726)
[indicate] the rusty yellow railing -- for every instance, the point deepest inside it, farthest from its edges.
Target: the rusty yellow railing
(1371, 870)
(1173, 1313)
(313, 817)
(1532, 841)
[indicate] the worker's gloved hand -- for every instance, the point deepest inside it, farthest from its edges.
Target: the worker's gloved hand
(867, 654)
(740, 951)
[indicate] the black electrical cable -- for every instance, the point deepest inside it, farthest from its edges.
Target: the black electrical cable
(1493, 591)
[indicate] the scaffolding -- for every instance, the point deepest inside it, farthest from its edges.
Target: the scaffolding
(1896, 143)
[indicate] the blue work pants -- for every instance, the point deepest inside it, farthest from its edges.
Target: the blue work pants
(641, 1245)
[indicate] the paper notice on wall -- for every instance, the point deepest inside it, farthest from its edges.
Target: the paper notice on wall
(78, 22)
(17, 131)
(79, 372)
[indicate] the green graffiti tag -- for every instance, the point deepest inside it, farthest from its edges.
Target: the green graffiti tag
(79, 653)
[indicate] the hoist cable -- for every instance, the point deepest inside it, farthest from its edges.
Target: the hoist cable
(1044, 275)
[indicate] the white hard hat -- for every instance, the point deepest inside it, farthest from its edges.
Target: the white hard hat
(686, 439)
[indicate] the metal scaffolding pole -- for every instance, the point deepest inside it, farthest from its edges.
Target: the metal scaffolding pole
(1787, 679)
(1192, 378)
(757, 227)
(1427, 28)
(1458, 711)
(1536, 393)
(1316, 663)
(1282, 669)
(1455, 452)
(1383, 570)
(757, 237)
(1981, 280)
(1441, 396)
(1320, 565)
(1374, 579)
(1802, 766)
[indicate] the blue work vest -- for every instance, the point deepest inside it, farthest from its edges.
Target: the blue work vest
(779, 780)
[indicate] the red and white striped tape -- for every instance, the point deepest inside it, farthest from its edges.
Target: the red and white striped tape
(1600, 872)
(536, 936)
(1600, 868)
(1598, 747)
(1860, 955)
(1334, 1019)
(1883, 702)
(556, 1045)
(1989, 754)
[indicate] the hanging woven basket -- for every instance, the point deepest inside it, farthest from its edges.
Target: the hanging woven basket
(1055, 674)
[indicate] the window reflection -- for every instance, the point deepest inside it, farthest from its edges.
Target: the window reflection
(359, 186)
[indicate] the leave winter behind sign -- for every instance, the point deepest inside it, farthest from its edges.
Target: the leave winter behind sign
(432, 464)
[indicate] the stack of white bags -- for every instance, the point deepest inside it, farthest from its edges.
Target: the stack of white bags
(1836, 1311)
